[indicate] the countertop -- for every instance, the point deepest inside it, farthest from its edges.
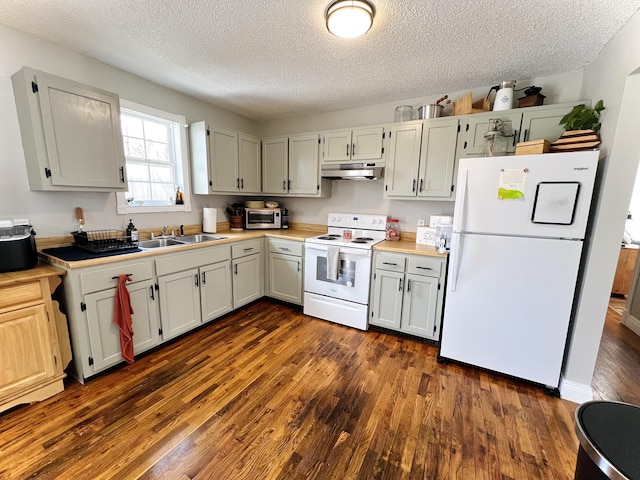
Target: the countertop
(41, 270)
(231, 236)
(403, 246)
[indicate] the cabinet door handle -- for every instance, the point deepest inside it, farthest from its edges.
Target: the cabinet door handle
(237, 183)
(289, 185)
(298, 266)
(421, 184)
(197, 280)
(526, 134)
(400, 285)
(235, 269)
(242, 183)
(353, 149)
(515, 137)
(121, 174)
(284, 185)
(153, 296)
(347, 149)
(413, 188)
(424, 268)
(408, 285)
(204, 278)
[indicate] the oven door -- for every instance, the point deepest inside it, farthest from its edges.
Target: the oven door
(353, 279)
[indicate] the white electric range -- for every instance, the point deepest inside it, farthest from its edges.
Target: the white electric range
(338, 268)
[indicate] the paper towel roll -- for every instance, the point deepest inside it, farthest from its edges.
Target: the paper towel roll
(209, 220)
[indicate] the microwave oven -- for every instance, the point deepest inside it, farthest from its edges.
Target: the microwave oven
(262, 218)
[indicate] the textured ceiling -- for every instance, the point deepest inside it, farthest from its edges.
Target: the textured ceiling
(270, 59)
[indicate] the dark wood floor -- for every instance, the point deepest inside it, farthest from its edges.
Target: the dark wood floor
(268, 393)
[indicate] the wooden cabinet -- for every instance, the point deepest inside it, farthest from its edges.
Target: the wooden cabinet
(247, 272)
(71, 134)
(407, 293)
(224, 160)
(357, 145)
(33, 337)
(624, 271)
(290, 166)
(421, 159)
(284, 268)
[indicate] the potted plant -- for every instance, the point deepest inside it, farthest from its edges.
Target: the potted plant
(582, 117)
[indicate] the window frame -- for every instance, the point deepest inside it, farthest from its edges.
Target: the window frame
(182, 168)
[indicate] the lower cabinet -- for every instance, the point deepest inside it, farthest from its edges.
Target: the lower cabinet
(104, 335)
(179, 302)
(247, 272)
(285, 270)
(33, 337)
(407, 293)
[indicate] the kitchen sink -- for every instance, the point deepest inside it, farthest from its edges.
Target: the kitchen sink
(159, 242)
(198, 238)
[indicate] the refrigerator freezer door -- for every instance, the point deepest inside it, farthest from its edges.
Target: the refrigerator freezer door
(478, 208)
(511, 303)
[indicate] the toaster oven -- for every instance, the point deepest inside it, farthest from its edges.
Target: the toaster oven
(262, 218)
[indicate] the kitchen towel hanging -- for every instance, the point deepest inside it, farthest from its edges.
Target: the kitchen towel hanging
(122, 318)
(333, 262)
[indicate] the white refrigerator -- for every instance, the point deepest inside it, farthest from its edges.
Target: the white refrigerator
(518, 230)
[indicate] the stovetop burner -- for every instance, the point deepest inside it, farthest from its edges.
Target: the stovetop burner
(361, 240)
(329, 237)
(364, 239)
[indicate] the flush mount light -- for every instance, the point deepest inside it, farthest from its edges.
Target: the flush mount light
(349, 18)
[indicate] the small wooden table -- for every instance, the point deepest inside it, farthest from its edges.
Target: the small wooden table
(609, 434)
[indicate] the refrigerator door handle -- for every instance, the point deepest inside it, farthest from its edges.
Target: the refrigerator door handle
(461, 200)
(454, 257)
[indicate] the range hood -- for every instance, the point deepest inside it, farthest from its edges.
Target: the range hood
(353, 171)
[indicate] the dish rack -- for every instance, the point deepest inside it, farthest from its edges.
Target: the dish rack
(100, 241)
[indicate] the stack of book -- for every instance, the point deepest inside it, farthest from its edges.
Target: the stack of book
(576, 140)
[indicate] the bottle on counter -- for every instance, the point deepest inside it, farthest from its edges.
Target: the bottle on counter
(131, 232)
(393, 229)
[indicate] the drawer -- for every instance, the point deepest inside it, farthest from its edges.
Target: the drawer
(286, 247)
(200, 257)
(390, 261)
(429, 267)
(107, 277)
(243, 249)
(17, 296)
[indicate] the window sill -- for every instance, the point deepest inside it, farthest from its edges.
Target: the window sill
(126, 209)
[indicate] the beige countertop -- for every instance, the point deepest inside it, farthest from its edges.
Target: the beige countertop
(230, 237)
(404, 246)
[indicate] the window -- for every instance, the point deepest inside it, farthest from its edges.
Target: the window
(155, 149)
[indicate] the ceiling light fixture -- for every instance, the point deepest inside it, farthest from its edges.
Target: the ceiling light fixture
(349, 18)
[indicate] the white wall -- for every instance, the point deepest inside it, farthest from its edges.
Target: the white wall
(608, 77)
(52, 213)
(366, 197)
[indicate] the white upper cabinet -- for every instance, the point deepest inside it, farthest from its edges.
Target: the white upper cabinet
(358, 145)
(403, 157)
(275, 159)
(224, 160)
(438, 158)
(303, 164)
(71, 134)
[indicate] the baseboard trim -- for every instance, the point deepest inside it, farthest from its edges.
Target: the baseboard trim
(575, 392)
(631, 323)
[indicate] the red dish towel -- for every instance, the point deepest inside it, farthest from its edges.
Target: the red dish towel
(122, 318)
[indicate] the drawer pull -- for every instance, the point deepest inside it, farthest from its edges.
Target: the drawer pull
(389, 263)
(248, 249)
(127, 274)
(284, 249)
(424, 268)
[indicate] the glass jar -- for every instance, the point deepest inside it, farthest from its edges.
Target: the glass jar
(393, 229)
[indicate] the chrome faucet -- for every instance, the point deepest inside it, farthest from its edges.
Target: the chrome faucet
(164, 230)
